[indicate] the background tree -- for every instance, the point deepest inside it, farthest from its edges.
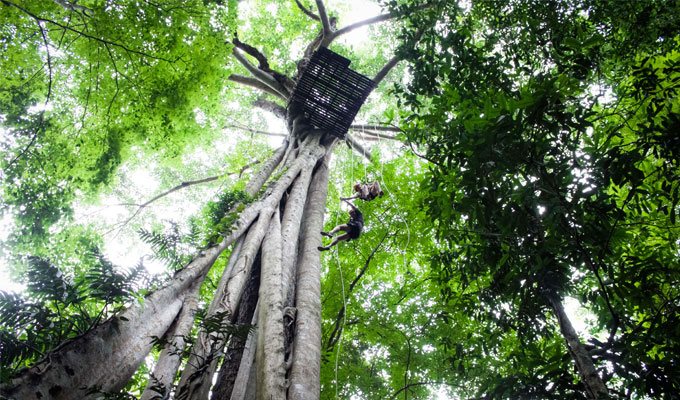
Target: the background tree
(552, 157)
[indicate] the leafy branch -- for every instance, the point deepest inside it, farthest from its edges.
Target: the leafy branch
(337, 331)
(58, 307)
(74, 6)
(183, 185)
(86, 35)
(307, 11)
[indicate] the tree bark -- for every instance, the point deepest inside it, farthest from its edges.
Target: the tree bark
(238, 345)
(305, 371)
(163, 376)
(256, 182)
(290, 232)
(595, 388)
(271, 373)
(261, 75)
(236, 389)
(196, 378)
(107, 356)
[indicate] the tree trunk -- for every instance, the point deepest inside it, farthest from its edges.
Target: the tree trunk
(196, 378)
(305, 372)
(235, 371)
(104, 359)
(595, 388)
(163, 375)
(288, 212)
(271, 372)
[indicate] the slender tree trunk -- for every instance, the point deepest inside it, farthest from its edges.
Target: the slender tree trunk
(235, 371)
(271, 372)
(595, 388)
(163, 376)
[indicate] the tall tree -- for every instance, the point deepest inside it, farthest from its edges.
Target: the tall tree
(272, 230)
(548, 146)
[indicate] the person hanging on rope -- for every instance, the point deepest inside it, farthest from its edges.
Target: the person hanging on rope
(352, 228)
(366, 191)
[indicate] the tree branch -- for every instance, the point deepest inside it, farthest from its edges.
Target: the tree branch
(243, 128)
(263, 64)
(182, 185)
(394, 396)
(359, 127)
(272, 107)
(393, 62)
(337, 331)
(386, 69)
(73, 6)
(49, 62)
(349, 28)
(368, 136)
(307, 12)
(39, 127)
(315, 43)
(357, 147)
(369, 21)
(265, 77)
(426, 158)
(368, 261)
(83, 34)
(327, 32)
(142, 206)
(254, 83)
(261, 59)
(365, 134)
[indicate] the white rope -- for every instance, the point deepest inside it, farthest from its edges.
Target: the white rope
(344, 314)
(351, 185)
(394, 203)
(362, 160)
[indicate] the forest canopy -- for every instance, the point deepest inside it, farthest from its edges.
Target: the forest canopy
(526, 245)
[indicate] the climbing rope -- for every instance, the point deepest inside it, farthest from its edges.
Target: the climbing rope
(394, 203)
(344, 314)
(337, 254)
(364, 140)
(351, 184)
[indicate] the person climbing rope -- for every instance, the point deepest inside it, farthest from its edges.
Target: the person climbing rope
(352, 228)
(366, 191)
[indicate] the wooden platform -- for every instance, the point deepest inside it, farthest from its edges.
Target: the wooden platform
(330, 93)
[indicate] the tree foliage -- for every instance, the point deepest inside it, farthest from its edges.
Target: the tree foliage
(62, 303)
(84, 93)
(549, 128)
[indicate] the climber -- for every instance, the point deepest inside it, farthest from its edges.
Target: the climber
(352, 228)
(366, 191)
